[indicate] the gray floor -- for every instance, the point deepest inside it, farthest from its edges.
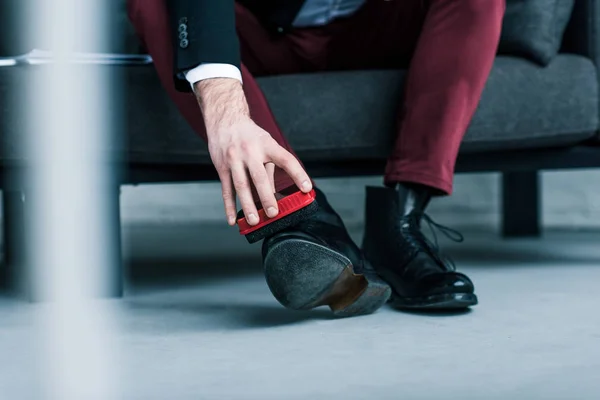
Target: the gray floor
(218, 333)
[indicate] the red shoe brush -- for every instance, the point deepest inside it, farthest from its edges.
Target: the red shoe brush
(293, 209)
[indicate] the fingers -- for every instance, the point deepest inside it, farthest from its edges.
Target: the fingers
(228, 197)
(286, 161)
(264, 188)
(241, 183)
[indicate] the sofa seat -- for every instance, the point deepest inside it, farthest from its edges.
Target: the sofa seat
(351, 115)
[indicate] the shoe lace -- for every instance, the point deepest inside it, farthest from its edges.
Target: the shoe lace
(411, 229)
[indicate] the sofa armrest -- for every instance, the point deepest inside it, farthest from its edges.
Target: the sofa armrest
(583, 33)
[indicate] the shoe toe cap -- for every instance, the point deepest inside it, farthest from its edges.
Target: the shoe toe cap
(448, 282)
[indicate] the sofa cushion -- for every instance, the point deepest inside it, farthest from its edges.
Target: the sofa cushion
(523, 106)
(534, 28)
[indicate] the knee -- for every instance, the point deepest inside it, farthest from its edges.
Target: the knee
(485, 14)
(145, 9)
(132, 9)
(491, 11)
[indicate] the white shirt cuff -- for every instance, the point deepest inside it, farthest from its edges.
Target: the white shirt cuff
(212, 70)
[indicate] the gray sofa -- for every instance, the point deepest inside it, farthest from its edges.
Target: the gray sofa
(530, 119)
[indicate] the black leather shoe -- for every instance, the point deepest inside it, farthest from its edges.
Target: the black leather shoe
(420, 277)
(316, 263)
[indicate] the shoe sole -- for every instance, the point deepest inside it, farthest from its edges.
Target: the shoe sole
(303, 275)
(448, 301)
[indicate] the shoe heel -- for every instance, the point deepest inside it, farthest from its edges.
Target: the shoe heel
(356, 295)
(347, 288)
(303, 275)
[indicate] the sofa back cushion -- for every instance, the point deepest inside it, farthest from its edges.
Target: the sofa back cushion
(534, 28)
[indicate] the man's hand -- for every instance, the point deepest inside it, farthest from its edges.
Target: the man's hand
(244, 154)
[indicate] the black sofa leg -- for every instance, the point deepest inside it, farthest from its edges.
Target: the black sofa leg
(521, 208)
(115, 285)
(13, 214)
(15, 274)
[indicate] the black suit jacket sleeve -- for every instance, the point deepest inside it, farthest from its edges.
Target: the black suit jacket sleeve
(203, 31)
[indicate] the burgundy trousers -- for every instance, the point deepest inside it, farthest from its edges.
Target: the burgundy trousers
(448, 45)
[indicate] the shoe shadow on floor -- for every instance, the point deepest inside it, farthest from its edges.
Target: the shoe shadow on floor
(229, 316)
(263, 316)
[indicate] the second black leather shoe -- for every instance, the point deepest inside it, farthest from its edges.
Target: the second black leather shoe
(316, 263)
(420, 277)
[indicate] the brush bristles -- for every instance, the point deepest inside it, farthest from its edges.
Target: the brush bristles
(286, 222)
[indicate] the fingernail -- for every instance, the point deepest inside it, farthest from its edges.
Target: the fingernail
(252, 219)
(306, 185)
(231, 220)
(271, 212)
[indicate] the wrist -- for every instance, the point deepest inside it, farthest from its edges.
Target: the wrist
(222, 102)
